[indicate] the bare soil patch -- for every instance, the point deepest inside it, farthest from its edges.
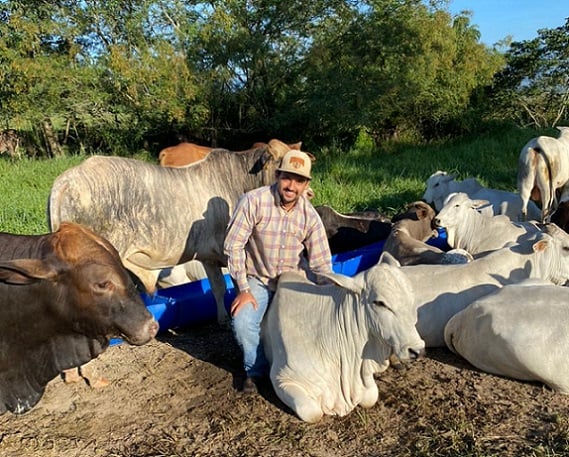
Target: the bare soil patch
(175, 397)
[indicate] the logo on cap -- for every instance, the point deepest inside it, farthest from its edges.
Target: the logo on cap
(296, 162)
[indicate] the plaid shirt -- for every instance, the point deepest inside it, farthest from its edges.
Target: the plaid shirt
(263, 240)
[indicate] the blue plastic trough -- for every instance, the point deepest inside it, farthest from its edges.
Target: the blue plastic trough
(193, 303)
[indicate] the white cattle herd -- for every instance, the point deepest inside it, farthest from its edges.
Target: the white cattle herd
(326, 342)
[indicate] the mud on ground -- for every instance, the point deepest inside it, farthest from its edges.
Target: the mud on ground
(175, 397)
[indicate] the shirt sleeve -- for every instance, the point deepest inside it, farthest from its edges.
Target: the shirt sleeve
(318, 248)
(238, 232)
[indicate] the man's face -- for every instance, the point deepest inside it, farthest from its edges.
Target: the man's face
(291, 187)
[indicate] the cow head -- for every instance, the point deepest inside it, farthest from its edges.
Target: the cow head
(386, 293)
(271, 156)
(437, 186)
(391, 310)
(416, 211)
(61, 309)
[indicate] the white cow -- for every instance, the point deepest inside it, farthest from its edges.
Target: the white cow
(477, 234)
(326, 342)
(443, 290)
(158, 217)
(440, 185)
(520, 332)
(543, 168)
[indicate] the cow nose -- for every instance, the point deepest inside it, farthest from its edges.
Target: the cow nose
(153, 328)
(437, 222)
(416, 353)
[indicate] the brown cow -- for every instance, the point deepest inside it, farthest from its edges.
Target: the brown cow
(183, 154)
(187, 153)
(63, 296)
(409, 233)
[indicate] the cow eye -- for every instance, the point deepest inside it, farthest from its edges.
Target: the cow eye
(104, 285)
(382, 304)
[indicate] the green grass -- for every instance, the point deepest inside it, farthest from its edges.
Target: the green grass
(385, 178)
(24, 191)
(388, 179)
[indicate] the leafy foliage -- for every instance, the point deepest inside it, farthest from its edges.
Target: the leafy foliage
(116, 76)
(533, 89)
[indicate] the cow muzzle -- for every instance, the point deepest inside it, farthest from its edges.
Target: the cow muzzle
(148, 331)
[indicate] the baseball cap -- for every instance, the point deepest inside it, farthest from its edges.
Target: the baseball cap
(296, 162)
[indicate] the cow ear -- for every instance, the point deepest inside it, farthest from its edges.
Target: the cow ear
(387, 258)
(541, 245)
(479, 203)
(312, 156)
(25, 271)
(354, 284)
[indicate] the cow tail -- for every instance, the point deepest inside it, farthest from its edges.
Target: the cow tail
(54, 205)
(552, 197)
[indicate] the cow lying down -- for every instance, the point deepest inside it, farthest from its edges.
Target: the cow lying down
(325, 343)
(519, 332)
(63, 296)
(411, 230)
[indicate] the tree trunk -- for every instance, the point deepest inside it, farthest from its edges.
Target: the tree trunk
(52, 145)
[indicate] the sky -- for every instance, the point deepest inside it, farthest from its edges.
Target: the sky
(519, 18)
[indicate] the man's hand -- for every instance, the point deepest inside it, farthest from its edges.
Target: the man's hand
(241, 300)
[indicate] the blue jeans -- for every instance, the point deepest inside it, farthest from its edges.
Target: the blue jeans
(247, 330)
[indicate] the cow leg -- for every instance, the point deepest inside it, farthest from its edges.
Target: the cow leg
(217, 282)
(71, 375)
(148, 278)
(526, 181)
(172, 276)
(296, 398)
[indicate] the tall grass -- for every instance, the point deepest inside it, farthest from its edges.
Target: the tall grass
(388, 179)
(384, 178)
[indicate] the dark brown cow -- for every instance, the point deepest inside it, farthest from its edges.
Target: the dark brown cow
(407, 240)
(63, 296)
(347, 232)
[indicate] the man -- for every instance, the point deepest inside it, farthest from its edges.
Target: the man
(270, 232)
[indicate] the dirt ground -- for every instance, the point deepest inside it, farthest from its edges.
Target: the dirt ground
(175, 397)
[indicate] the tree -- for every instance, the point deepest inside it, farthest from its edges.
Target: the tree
(248, 55)
(533, 89)
(100, 71)
(395, 67)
